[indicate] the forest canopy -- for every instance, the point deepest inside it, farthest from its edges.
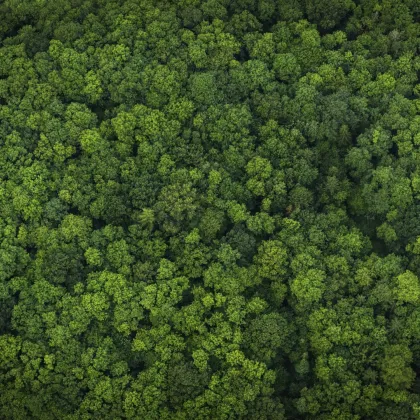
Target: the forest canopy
(210, 209)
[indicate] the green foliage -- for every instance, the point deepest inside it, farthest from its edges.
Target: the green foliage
(209, 209)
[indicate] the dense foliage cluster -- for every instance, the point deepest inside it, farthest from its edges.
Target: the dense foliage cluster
(210, 209)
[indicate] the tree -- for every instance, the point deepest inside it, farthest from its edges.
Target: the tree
(209, 209)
